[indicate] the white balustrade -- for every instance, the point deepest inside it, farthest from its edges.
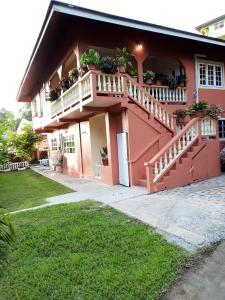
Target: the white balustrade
(74, 95)
(208, 127)
(56, 107)
(164, 94)
(179, 144)
(44, 161)
(14, 166)
(71, 97)
(150, 104)
(108, 83)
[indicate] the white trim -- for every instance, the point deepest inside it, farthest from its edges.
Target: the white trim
(214, 63)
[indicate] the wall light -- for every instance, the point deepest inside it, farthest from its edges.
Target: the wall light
(139, 46)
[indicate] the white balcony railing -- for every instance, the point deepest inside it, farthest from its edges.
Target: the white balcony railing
(165, 94)
(75, 95)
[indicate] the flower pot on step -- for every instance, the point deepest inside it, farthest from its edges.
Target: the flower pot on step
(105, 162)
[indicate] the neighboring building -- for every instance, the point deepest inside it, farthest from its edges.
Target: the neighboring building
(214, 28)
(135, 121)
(41, 147)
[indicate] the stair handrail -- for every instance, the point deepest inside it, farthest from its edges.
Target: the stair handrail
(172, 151)
(155, 107)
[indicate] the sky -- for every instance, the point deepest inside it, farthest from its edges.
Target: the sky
(21, 20)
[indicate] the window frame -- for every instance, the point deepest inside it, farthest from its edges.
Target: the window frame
(54, 144)
(70, 148)
(223, 138)
(215, 64)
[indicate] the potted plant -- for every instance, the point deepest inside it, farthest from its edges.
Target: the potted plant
(53, 95)
(148, 77)
(107, 65)
(214, 111)
(198, 109)
(90, 59)
(181, 115)
(73, 75)
(65, 83)
(172, 82)
(159, 77)
(123, 59)
(134, 74)
(181, 80)
(104, 156)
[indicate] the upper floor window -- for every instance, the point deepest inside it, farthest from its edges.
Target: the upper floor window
(211, 74)
(54, 144)
(69, 144)
(219, 25)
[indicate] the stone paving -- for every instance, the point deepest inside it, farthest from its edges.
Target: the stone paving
(206, 282)
(191, 216)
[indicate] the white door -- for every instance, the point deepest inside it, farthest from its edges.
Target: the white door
(123, 158)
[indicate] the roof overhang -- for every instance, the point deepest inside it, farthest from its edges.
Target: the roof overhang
(60, 8)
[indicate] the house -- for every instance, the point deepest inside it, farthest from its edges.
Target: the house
(214, 28)
(134, 121)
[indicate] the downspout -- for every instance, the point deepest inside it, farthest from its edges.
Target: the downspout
(196, 56)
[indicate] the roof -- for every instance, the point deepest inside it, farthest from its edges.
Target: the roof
(72, 10)
(210, 22)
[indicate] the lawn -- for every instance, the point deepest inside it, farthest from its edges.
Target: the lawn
(83, 251)
(25, 189)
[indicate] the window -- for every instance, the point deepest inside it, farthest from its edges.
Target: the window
(54, 144)
(221, 129)
(210, 75)
(218, 25)
(68, 144)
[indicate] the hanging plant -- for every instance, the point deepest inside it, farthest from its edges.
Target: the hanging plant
(53, 95)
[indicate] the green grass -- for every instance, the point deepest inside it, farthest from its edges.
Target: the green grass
(25, 189)
(81, 251)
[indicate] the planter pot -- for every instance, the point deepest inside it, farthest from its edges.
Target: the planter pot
(149, 81)
(92, 67)
(198, 114)
(121, 69)
(135, 78)
(105, 162)
(182, 84)
(158, 82)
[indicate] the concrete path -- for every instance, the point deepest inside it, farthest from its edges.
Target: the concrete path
(207, 282)
(191, 216)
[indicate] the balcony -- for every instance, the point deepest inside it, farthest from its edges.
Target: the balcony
(96, 89)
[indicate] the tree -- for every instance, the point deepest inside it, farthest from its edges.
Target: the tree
(25, 112)
(6, 235)
(8, 124)
(24, 144)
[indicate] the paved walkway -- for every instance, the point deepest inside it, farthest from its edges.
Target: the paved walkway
(191, 216)
(207, 282)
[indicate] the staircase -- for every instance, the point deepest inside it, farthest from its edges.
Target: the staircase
(171, 165)
(169, 159)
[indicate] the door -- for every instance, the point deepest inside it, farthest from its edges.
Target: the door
(123, 158)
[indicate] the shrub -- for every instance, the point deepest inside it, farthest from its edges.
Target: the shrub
(199, 106)
(91, 57)
(6, 235)
(214, 111)
(107, 65)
